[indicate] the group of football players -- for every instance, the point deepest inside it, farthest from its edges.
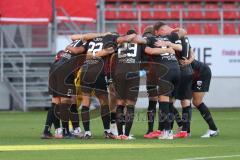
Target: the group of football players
(108, 65)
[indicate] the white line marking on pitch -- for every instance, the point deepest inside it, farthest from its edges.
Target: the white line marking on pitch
(202, 158)
(90, 146)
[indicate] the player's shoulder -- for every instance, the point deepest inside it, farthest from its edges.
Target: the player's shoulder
(97, 39)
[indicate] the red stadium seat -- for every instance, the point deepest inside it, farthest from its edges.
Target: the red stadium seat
(194, 12)
(212, 11)
(110, 14)
(229, 28)
(145, 14)
(193, 28)
(161, 12)
(229, 11)
(211, 28)
(127, 14)
(143, 26)
(123, 28)
(175, 11)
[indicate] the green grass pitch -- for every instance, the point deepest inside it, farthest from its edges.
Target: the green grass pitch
(20, 132)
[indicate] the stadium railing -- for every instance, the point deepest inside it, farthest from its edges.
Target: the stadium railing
(134, 17)
(25, 63)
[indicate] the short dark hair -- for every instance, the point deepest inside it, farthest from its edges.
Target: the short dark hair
(158, 25)
(115, 33)
(148, 31)
(131, 31)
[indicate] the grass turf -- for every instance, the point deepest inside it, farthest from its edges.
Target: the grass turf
(20, 132)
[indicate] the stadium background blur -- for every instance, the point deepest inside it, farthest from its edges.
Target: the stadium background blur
(31, 32)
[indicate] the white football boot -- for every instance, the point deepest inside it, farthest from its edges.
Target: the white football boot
(113, 128)
(210, 133)
(166, 135)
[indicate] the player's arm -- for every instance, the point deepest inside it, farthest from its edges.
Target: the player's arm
(88, 36)
(102, 53)
(75, 50)
(175, 46)
(188, 61)
(139, 40)
(127, 38)
(158, 51)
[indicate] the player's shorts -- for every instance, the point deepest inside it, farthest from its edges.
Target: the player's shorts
(201, 83)
(61, 81)
(52, 82)
(185, 86)
(168, 81)
(127, 85)
(151, 84)
(93, 79)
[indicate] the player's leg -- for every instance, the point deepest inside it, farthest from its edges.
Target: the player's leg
(105, 114)
(205, 113)
(186, 119)
(119, 82)
(56, 120)
(50, 120)
(64, 115)
(168, 88)
(176, 115)
(151, 114)
(129, 118)
(112, 105)
(184, 94)
(102, 94)
(85, 114)
(164, 117)
(120, 117)
(130, 95)
(151, 110)
(200, 87)
(54, 90)
(87, 84)
(74, 117)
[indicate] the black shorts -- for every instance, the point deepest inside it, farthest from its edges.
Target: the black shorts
(127, 85)
(61, 81)
(185, 86)
(202, 82)
(151, 84)
(168, 82)
(52, 82)
(93, 79)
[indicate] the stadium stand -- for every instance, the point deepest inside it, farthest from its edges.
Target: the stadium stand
(174, 12)
(207, 14)
(211, 28)
(212, 11)
(194, 11)
(193, 28)
(161, 13)
(230, 11)
(229, 28)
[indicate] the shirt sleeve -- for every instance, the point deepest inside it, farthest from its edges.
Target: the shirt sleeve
(110, 38)
(110, 41)
(173, 37)
(85, 45)
(185, 47)
(77, 43)
(150, 41)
